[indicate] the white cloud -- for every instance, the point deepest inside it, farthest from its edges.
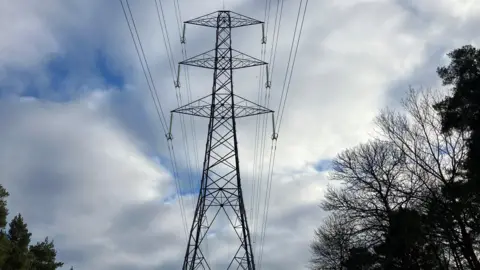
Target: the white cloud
(25, 41)
(70, 170)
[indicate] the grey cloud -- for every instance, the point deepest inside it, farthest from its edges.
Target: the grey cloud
(65, 185)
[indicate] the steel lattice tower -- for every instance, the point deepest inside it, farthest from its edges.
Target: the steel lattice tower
(220, 188)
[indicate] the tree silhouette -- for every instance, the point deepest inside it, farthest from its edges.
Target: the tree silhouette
(15, 252)
(44, 256)
(360, 258)
(332, 244)
(461, 112)
(19, 238)
(373, 175)
(3, 222)
(402, 195)
(406, 244)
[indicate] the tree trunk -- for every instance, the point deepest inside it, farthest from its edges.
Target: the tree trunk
(468, 246)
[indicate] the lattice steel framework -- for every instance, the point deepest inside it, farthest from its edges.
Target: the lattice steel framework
(220, 187)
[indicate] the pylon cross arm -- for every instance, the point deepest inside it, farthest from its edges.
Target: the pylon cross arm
(207, 60)
(236, 20)
(242, 108)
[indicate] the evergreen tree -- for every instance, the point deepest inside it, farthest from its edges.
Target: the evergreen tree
(3, 208)
(3, 222)
(44, 256)
(19, 237)
(461, 112)
(4, 248)
(15, 252)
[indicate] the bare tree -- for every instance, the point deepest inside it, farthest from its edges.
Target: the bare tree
(332, 243)
(373, 176)
(434, 159)
(411, 171)
(432, 156)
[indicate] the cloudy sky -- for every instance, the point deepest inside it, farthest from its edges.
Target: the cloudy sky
(86, 161)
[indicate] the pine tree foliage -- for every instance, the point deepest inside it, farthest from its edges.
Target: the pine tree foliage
(3, 222)
(16, 253)
(3, 208)
(19, 239)
(44, 256)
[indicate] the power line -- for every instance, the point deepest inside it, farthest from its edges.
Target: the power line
(166, 38)
(159, 110)
(259, 145)
(171, 59)
(154, 96)
(293, 66)
(178, 93)
(266, 209)
(255, 156)
(178, 16)
(286, 88)
(273, 50)
(261, 153)
(271, 162)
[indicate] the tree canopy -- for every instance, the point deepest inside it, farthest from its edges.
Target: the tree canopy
(16, 252)
(410, 197)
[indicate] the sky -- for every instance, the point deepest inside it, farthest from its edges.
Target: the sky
(85, 159)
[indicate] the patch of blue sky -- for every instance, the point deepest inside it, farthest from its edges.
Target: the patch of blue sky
(62, 77)
(112, 76)
(15, 81)
(186, 189)
(323, 165)
(170, 199)
(97, 71)
(187, 181)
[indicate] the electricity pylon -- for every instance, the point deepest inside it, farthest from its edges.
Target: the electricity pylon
(220, 188)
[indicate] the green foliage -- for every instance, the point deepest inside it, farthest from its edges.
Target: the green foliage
(15, 250)
(19, 238)
(4, 244)
(18, 233)
(4, 247)
(44, 255)
(3, 207)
